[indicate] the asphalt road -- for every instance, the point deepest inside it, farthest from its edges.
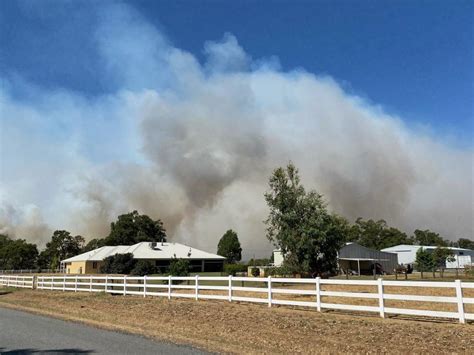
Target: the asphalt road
(25, 333)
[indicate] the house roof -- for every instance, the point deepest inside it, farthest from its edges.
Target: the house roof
(416, 247)
(145, 250)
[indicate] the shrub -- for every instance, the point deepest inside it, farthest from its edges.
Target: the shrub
(144, 267)
(278, 271)
(118, 264)
(179, 267)
(469, 271)
(233, 269)
(255, 272)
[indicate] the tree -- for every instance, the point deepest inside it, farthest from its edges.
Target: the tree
(376, 234)
(465, 243)
(17, 254)
(229, 247)
(424, 261)
(300, 225)
(179, 267)
(144, 267)
(62, 246)
(440, 256)
(118, 264)
(427, 237)
(133, 228)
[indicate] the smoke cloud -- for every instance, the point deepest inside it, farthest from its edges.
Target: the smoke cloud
(194, 144)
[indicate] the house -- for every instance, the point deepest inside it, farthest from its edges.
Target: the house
(362, 260)
(161, 253)
(407, 255)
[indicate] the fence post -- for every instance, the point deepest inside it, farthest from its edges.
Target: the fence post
(318, 293)
(52, 282)
(90, 283)
(459, 297)
(230, 288)
(125, 285)
(169, 287)
(75, 284)
(196, 285)
(144, 286)
(64, 283)
(381, 302)
(106, 283)
(269, 284)
(34, 283)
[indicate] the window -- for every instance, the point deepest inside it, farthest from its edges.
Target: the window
(94, 265)
(461, 253)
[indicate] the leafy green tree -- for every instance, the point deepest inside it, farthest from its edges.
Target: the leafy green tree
(179, 267)
(441, 255)
(424, 261)
(376, 234)
(118, 264)
(133, 228)
(300, 225)
(427, 237)
(17, 254)
(465, 243)
(62, 246)
(229, 247)
(144, 267)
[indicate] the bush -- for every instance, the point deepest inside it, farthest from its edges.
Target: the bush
(255, 272)
(118, 264)
(469, 271)
(144, 267)
(278, 271)
(179, 267)
(233, 269)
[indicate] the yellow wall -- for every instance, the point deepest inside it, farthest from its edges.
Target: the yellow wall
(83, 267)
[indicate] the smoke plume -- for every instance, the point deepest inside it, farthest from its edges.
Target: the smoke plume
(193, 143)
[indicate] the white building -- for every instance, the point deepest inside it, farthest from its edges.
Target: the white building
(160, 253)
(277, 258)
(407, 255)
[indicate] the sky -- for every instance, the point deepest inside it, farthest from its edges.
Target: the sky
(95, 97)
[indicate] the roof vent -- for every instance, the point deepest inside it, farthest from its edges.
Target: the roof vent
(154, 246)
(189, 253)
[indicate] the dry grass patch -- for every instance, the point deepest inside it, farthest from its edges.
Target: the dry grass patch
(248, 328)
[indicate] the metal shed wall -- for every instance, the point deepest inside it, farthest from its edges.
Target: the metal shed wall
(356, 251)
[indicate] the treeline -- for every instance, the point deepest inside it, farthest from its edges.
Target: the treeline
(129, 229)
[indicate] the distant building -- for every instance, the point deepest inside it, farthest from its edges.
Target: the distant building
(159, 253)
(277, 258)
(407, 255)
(362, 260)
(357, 258)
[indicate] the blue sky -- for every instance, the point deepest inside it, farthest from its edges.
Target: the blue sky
(415, 58)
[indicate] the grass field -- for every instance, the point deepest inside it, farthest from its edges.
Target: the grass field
(248, 328)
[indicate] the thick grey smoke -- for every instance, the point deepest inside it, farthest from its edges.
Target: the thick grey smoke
(194, 144)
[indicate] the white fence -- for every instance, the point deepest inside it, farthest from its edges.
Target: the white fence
(17, 281)
(270, 288)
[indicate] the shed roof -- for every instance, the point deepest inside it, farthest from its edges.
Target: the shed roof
(416, 247)
(144, 250)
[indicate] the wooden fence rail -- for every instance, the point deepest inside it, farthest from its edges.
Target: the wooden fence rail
(270, 289)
